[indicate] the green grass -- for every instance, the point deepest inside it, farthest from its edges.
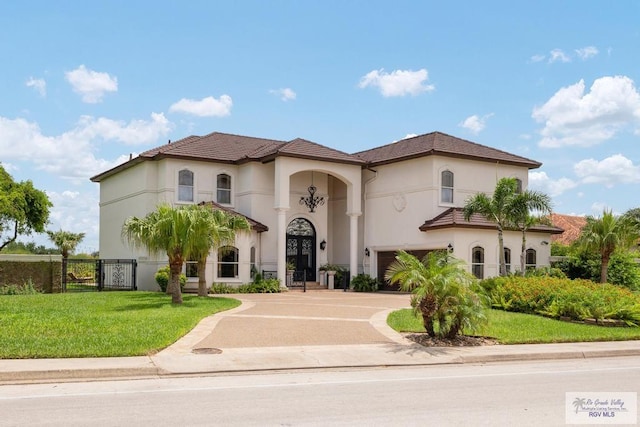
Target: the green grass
(519, 328)
(98, 324)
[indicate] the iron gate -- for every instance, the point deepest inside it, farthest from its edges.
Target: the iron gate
(98, 274)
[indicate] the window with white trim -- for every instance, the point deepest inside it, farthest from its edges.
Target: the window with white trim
(446, 187)
(253, 270)
(191, 269)
(531, 259)
(477, 262)
(228, 262)
(185, 186)
(507, 259)
(518, 185)
(223, 185)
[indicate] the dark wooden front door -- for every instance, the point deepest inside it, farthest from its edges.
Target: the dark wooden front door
(301, 249)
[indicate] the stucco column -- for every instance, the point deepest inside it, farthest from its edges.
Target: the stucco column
(353, 243)
(282, 246)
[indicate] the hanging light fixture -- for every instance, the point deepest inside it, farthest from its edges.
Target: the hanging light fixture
(312, 201)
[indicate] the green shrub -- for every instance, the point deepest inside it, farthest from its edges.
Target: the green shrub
(555, 297)
(162, 278)
(222, 288)
(364, 283)
(27, 288)
(264, 286)
(623, 270)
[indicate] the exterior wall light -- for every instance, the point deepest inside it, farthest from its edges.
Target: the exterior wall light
(323, 245)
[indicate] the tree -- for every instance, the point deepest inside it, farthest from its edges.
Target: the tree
(508, 208)
(441, 292)
(606, 234)
(23, 209)
(213, 229)
(65, 241)
(521, 206)
(166, 230)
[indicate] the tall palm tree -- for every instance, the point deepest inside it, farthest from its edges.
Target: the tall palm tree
(606, 234)
(521, 206)
(212, 229)
(497, 209)
(65, 241)
(169, 230)
(441, 291)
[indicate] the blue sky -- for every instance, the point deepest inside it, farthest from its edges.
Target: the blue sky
(85, 84)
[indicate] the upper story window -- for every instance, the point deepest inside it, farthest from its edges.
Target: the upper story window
(185, 186)
(477, 262)
(223, 184)
(446, 187)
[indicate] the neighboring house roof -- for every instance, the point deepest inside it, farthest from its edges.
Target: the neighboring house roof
(237, 149)
(572, 226)
(255, 225)
(442, 144)
(454, 217)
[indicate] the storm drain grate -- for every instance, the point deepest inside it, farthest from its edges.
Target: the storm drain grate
(206, 350)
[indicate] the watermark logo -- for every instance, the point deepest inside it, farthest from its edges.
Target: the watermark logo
(601, 407)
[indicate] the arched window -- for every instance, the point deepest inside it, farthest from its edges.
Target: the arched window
(446, 187)
(223, 184)
(477, 262)
(228, 262)
(518, 185)
(185, 186)
(253, 270)
(531, 259)
(507, 259)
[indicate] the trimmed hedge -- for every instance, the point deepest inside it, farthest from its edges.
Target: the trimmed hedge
(556, 297)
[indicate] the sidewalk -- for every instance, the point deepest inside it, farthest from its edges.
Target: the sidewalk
(311, 330)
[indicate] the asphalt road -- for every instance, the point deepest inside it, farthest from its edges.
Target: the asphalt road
(506, 394)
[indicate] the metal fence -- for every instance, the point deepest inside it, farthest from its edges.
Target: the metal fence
(98, 274)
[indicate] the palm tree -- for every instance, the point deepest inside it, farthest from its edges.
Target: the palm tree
(441, 292)
(212, 229)
(521, 206)
(508, 208)
(606, 234)
(497, 209)
(168, 230)
(65, 241)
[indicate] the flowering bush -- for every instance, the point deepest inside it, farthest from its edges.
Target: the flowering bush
(556, 297)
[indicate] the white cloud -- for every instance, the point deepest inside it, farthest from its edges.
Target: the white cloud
(557, 55)
(206, 107)
(610, 171)
(40, 85)
(598, 208)
(76, 212)
(475, 124)
(573, 117)
(398, 82)
(91, 85)
(537, 58)
(71, 155)
(587, 52)
(540, 181)
(285, 94)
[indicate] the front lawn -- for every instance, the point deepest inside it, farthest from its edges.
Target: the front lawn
(519, 328)
(98, 324)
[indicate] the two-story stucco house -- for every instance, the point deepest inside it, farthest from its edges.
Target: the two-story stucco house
(311, 205)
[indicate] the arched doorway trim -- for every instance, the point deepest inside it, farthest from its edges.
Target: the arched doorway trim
(301, 249)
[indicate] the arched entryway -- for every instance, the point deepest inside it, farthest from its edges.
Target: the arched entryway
(301, 249)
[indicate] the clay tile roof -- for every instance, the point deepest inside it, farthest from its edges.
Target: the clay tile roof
(311, 150)
(454, 217)
(572, 226)
(443, 144)
(255, 225)
(222, 147)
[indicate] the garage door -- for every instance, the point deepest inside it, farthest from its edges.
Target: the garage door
(385, 259)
